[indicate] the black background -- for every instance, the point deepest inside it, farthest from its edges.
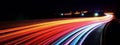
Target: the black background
(36, 9)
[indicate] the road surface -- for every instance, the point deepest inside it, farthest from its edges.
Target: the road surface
(72, 31)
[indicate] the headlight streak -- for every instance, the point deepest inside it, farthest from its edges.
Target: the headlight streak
(59, 41)
(85, 36)
(74, 42)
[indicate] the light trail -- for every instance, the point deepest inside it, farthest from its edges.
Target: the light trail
(87, 33)
(79, 36)
(71, 36)
(69, 31)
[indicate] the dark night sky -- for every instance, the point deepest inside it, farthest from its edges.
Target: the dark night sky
(15, 10)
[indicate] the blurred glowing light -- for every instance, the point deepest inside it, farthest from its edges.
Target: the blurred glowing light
(70, 13)
(82, 14)
(85, 11)
(96, 14)
(77, 12)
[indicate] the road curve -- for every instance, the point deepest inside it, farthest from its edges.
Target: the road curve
(59, 32)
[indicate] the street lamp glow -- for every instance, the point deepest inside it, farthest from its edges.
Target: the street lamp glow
(82, 14)
(96, 14)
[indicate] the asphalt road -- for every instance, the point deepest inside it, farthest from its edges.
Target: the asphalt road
(111, 33)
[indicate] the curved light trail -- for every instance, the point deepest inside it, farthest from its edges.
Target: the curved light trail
(71, 31)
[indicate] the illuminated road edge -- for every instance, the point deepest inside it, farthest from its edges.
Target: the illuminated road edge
(61, 32)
